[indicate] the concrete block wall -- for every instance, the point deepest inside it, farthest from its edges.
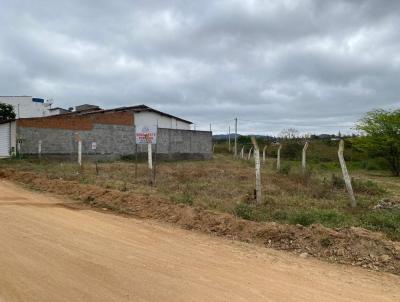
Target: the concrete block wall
(114, 141)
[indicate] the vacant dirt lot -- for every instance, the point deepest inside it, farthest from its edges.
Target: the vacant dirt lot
(53, 253)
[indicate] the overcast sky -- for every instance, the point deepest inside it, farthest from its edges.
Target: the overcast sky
(313, 65)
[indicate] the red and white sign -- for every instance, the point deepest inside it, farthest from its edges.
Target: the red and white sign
(146, 135)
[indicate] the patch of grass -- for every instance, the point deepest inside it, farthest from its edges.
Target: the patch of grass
(184, 198)
(328, 218)
(285, 168)
(385, 221)
(367, 186)
(244, 210)
(227, 185)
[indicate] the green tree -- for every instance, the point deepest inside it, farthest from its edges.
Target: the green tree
(6, 112)
(381, 129)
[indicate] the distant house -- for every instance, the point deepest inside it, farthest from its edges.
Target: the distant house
(27, 106)
(111, 131)
(57, 111)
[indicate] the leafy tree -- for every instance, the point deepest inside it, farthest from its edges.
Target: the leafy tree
(381, 129)
(6, 112)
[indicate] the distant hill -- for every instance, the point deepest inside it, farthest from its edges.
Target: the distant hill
(224, 137)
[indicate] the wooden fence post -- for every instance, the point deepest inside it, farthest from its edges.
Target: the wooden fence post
(303, 158)
(346, 176)
(242, 153)
(264, 156)
(258, 170)
(249, 155)
(278, 158)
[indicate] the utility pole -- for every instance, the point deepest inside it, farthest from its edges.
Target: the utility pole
(210, 127)
(229, 138)
(236, 136)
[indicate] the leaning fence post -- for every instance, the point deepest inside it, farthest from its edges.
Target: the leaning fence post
(249, 155)
(258, 170)
(278, 158)
(303, 158)
(264, 150)
(346, 176)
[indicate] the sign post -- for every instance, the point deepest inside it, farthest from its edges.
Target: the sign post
(147, 135)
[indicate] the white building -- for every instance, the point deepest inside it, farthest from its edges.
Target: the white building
(151, 117)
(137, 116)
(27, 106)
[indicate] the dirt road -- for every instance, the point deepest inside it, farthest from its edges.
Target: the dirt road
(52, 253)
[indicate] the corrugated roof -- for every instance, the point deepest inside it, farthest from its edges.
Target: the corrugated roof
(137, 108)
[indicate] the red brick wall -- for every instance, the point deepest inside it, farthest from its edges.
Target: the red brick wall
(75, 122)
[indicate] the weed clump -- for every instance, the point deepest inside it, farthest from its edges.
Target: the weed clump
(184, 198)
(328, 218)
(386, 221)
(244, 210)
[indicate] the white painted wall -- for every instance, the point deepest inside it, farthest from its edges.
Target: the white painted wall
(151, 118)
(24, 107)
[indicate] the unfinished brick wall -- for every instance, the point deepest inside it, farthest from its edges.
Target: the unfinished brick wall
(79, 122)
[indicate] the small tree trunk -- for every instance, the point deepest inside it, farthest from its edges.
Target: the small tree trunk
(346, 176)
(258, 171)
(303, 158)
(278, 158)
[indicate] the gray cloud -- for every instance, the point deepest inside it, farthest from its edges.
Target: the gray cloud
(313, 65)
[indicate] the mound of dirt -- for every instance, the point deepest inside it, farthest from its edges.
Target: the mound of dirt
(355, 246)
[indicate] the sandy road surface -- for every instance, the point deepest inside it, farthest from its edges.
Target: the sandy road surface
(52, 253)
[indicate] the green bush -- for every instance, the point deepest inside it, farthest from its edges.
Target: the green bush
(291, 150)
